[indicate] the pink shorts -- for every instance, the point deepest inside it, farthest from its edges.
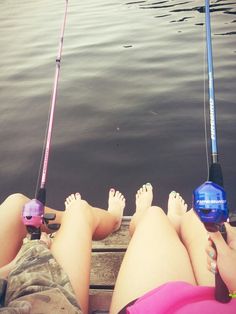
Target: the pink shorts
(180, 298)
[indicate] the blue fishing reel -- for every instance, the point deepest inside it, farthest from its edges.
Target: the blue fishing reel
(210, 204)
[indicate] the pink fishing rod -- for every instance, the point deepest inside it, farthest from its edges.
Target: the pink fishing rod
(33, 211)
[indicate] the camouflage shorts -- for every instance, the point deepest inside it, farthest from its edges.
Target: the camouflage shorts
(38, 284)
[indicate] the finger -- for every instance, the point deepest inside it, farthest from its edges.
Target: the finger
(221, 245)
(231, 236)
(209, 261)
(211, 252)
(212, 267)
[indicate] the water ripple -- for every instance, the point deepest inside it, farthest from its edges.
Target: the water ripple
(130, 99)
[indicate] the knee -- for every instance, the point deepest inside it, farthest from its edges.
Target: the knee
(81, 207)
(148, 217)
(11, 208)
(16, 198)
(153, 212)
(80, 210)
(14, 202)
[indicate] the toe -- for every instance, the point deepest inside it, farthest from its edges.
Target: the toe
(148, 186)
(72, 198)
(112, 192)
(77, 196)
(172, 195)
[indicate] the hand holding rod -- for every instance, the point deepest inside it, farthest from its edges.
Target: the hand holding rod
(209, 203)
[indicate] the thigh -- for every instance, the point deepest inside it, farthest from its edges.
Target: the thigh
(194, 237)
(155, 256)
(11, 226)
(72, 249)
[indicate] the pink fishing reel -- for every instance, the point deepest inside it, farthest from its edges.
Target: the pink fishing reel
(32, 214)
(33, 217)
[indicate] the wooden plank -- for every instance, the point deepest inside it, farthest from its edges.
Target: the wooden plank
(117, 240)
(99, 300)
(105, 267)
(107, 256)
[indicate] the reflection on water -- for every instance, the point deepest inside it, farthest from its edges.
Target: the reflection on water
(130, 101)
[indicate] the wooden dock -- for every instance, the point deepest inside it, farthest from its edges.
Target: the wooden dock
(107, 256)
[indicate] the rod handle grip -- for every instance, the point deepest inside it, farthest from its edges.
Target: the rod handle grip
(215, 174)
(221, 290)
(3, 289)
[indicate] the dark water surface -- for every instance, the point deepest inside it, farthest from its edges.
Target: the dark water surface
(130, 102)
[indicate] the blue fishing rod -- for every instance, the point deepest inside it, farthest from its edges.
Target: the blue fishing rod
(33, 212)
(209, 200)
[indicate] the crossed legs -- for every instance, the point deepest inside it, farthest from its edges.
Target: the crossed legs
(162, 249)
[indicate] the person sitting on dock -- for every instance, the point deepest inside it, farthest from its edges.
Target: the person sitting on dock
(164, 269)
(53, 277)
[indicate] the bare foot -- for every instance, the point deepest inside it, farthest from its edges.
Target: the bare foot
(71, 198)
(176, 208)
(116, 205)
(144, 197)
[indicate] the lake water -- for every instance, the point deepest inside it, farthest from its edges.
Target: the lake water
(130, 101)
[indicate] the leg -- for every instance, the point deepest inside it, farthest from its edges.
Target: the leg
(194, 237)
(12, 226)
(72, 245)
(155, 254)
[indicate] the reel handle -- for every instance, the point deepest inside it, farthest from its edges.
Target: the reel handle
(35, 233)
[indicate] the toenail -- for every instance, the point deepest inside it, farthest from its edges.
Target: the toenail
(212, 254)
